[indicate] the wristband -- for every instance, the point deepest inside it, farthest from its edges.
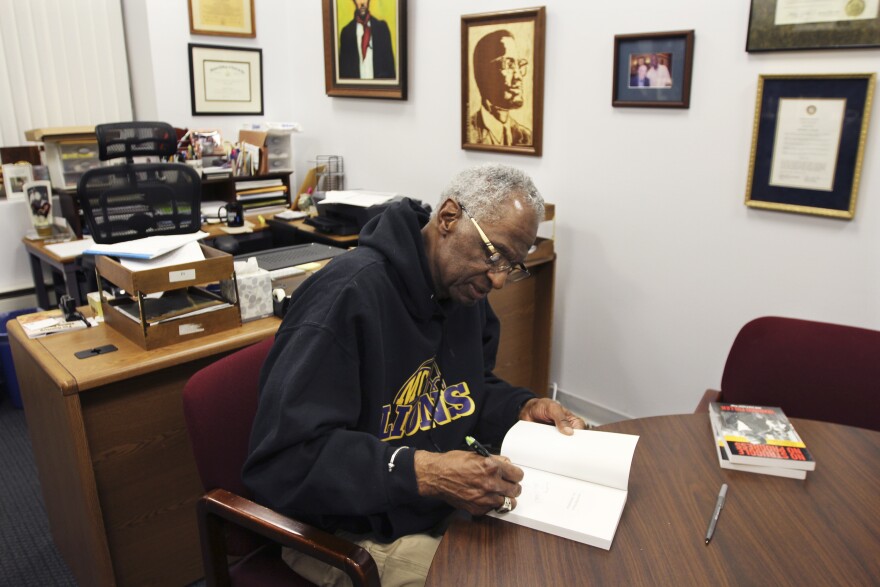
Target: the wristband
(393, 455)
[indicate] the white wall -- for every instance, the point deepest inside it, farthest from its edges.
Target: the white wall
(660, 263)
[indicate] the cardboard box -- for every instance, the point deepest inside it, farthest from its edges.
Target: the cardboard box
(258, 139)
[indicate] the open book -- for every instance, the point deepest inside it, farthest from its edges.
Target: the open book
(574, 486)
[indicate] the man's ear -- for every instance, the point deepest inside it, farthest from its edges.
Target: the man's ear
(447, 215)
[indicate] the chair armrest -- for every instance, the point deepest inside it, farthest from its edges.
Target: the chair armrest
(710, 395)
(220, 505)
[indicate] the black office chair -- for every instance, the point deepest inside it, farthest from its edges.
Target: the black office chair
(135, 200)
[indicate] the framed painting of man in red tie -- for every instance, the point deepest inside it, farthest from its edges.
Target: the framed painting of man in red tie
(502, 81)
(365, 48)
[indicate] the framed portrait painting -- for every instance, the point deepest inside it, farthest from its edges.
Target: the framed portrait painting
(502, 81)
(653, 70)
(365, 48)
(786, 25)
(225, 80)
(808, 143)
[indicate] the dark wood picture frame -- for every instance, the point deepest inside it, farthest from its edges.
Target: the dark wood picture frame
(216, 22)
(227, 96)
(811, 27)
(653, 70)
(808, 143)
(511, 121)
(388, 44)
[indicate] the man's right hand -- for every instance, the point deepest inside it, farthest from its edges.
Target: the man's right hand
(466, 480)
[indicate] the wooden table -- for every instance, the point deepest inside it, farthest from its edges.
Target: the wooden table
(115, 465)
(772, 531)
(66, 266)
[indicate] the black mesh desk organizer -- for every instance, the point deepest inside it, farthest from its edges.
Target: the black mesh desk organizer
(135, 200)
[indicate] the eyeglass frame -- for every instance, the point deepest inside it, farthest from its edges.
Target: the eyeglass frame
(495, 256)
(509, 64)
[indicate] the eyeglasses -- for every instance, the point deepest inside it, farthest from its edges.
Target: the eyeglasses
(496, 261)
(510, 65)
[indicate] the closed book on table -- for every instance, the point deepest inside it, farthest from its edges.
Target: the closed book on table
(760, 436)
(724, 459)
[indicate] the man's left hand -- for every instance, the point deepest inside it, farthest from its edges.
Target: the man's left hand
(548, 411)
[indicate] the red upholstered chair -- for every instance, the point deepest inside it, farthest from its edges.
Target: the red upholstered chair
(219, 404)
(813, 370)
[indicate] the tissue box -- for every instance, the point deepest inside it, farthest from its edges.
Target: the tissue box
(254, 290)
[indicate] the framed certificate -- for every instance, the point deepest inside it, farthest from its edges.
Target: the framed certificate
(225, 80)
(808, 142)
(781, 25)
(228, 18)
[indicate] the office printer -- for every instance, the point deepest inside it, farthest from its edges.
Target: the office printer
(345, 212)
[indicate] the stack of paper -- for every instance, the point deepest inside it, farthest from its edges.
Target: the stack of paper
(146, 248)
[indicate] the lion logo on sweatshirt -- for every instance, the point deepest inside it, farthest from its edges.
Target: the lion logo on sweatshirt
(423, 401)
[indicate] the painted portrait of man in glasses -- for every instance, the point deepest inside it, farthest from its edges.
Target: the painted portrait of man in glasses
(500, 111)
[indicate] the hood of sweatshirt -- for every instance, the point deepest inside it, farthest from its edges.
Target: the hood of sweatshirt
(405, 251)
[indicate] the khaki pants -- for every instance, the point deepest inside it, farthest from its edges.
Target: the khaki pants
(402, 563)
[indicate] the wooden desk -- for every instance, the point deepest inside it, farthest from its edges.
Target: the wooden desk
(772, 531)
(116, 470)
(66, 266)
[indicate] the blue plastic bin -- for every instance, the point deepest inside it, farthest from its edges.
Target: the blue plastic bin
(7, 372)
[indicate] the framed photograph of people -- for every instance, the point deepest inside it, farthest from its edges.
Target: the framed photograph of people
(502, 81)
(785, 25)
(228, 18)
(653, 70)
(365, 48)
(225, 80)
(808, 142)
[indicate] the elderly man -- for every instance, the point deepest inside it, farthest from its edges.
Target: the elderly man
(365, 48)
(498, 72)
(381, 367)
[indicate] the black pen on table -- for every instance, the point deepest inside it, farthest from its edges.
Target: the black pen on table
(476, 446)
(722, 495)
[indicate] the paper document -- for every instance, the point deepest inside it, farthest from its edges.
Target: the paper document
(146, 248)
(574, 486)
(361, 198)
(188, 253)
(70, 248)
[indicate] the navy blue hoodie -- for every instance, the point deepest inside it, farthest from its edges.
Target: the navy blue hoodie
(367, 360)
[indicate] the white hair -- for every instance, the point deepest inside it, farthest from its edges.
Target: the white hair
(482, 190)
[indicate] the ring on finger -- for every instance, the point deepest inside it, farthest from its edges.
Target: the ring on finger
(505, 507)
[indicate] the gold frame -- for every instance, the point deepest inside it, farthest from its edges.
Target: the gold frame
(495, 22)
(198, 25)
(851, 145)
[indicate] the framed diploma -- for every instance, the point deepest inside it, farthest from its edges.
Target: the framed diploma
(365, 48)
(653, 70)
(225, 80)
(808, 142)
(228, 18)
(781, 25)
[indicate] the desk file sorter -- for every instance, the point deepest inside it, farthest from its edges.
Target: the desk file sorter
(574, 486)
(158, 330)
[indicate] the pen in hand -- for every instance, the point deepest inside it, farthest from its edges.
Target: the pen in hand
(722, 495)
(476, 446)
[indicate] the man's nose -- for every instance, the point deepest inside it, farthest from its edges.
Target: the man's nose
(498, 279)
